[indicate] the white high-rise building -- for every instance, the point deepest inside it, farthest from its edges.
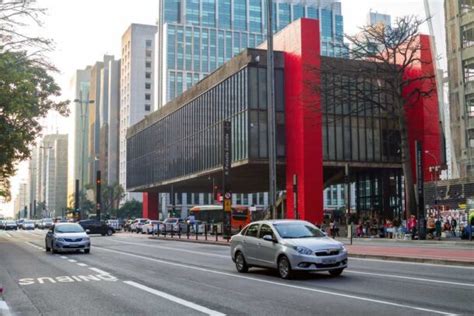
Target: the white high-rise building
(136, 87)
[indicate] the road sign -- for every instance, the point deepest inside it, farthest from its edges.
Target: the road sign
(227, 205)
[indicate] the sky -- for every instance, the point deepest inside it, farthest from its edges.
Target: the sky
(85, 30)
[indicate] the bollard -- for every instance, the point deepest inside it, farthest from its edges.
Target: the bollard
(205, 232)
(179, 231)
(187, 230)
(215, 231)
(196, 231)
(172, 231)
(165, 231)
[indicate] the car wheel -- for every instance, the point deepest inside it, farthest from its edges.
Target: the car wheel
(86, 251)
(46, 247)
(240, 263)
(109, 232)
(336, 272)
(284, 268)
(52, 247)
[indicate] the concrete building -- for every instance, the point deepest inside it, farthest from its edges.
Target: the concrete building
(196, 37)
(78, 141)
(52, 174)
(32, 174)
(136, 86)
(180, 146)
(374, 17)
(459, 21)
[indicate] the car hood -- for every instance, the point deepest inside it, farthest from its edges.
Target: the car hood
(70, 235)
(314, 243)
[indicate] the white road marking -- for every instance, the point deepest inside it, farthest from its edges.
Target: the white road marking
(412, 263)
(4, 309)
(360, 298)
(64, 257)
(175, 299)
(99, 271)
(408, 278)
(82, 264)
(8, 235)
(174, 249)
(34, 245)
(72, 260)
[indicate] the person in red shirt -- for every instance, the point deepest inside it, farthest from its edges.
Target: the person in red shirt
(411, 225)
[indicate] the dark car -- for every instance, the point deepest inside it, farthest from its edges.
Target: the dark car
(92, 226)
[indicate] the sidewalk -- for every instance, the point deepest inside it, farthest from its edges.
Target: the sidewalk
(437, 252)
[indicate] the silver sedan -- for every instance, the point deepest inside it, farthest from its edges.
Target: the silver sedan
(289, 246)
(67, 237)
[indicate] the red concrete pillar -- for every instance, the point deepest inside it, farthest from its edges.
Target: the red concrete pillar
(150, 205)
(300, 41)
(422, 114)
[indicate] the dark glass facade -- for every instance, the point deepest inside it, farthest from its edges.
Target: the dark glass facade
(189, 140)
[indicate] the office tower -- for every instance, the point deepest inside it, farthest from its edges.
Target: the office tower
(374, 18)
(459, 16)
(136, 87)
(198, 36)
(78, 143)
(51, 180)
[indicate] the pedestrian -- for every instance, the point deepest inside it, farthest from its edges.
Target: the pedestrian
(454, 223)
(431, 226)
(438, 228)
(412, 226)
(331, 227)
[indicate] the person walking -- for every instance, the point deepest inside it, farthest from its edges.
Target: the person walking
(411, 225)
(454, 223)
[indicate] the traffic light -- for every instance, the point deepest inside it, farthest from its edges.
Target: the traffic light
(97, 181)
(215, 193)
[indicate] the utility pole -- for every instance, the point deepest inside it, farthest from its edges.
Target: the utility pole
(98, 183)
(271, 111)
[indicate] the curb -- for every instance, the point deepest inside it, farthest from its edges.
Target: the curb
(354, 255)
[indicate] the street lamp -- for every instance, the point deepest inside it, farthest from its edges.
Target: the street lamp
(84, 113)
(434, 171)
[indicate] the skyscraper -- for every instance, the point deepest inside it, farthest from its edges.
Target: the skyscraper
(136, 86)
(374, 17)
(198, 36)
(459, 16)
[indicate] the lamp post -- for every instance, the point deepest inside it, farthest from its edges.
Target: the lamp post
(434, 170)
(84, 113)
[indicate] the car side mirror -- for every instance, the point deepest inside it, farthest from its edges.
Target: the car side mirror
(88, 231)
(269, 238)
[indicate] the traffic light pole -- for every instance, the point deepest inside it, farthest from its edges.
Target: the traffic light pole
(98, 181)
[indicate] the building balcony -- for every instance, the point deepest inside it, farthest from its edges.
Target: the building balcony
(469, 88)
(467, 53)
(467, 18)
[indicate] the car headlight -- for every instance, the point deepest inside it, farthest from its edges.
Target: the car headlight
(86, 238)
(303, 250)
(343, 248)
(60, 239)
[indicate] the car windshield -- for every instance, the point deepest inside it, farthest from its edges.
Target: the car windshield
(28, 222)
(297, 230)
(172, 221)
(68, 229)
(47, 220)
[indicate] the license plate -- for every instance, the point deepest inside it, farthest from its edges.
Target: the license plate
(329, 261)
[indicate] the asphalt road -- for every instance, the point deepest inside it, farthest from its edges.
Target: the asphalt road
(129, 274)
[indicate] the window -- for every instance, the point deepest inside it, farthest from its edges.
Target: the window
(148, 75)
(148, 97)
(148, 64)
(148, 43)
(148, 53)
(252, 231)
(265, 230)
(147, 107)
(147, 85)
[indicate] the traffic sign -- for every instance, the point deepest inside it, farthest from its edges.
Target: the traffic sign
(227, 205)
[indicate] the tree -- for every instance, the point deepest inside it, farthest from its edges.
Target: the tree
(27, 89)
(385, 75)
(130, 209)
(111, 196)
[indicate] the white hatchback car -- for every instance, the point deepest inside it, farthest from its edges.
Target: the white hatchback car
(287, 245)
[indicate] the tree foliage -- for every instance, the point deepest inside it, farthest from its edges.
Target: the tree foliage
(27, 89)
(130, 209)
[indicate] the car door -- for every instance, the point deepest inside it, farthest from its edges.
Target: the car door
(250, 244)
(266, 249)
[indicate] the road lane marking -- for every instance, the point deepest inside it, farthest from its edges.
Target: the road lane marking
(175, 299)
(64, 257)
(8, 235)
(67, 279)
(175, 249)
(72, 260)
(4, 309)
(355, 297)
(412, 263)
(82, 264)
(29, 243)
(409, 278)
(99, 271)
